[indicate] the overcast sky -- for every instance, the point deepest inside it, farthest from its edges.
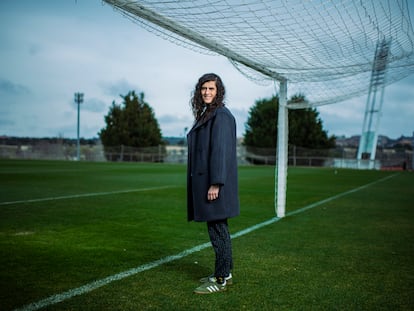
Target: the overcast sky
(50, 49)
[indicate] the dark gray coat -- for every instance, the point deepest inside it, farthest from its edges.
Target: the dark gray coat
(212, 159)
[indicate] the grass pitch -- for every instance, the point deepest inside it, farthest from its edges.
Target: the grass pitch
(64, 225)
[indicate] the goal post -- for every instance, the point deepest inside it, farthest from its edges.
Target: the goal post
(282, 151)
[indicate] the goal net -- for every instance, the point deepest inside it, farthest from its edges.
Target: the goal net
(323, 48)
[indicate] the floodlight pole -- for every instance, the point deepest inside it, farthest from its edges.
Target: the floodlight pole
(369, 136)
(78, 101)
(282, 151)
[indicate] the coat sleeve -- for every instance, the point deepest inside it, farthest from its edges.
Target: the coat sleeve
(222, 147)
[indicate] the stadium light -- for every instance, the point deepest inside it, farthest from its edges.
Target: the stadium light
(78, 101)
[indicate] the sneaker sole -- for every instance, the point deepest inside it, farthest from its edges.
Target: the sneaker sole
(208, 292)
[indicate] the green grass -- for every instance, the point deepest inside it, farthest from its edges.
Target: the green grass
(351, 253)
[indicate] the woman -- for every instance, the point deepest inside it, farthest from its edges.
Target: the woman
(212, 184)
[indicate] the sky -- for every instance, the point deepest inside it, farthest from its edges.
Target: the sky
(52, 49)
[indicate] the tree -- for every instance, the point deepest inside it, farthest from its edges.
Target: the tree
(131, 124)
(305, 127)
(261, 126)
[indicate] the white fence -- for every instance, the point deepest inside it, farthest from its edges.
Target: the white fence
(339, 157)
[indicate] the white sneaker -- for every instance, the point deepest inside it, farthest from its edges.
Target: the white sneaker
(210, 288)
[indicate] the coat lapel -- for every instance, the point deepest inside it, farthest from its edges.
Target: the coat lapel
(204, 121)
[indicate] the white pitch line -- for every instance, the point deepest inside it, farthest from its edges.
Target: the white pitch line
(116, 277)
(84, 195)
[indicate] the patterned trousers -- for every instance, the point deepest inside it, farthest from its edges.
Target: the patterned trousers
(221, 242)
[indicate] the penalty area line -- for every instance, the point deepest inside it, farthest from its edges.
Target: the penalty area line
(154, 264)
(84, 195)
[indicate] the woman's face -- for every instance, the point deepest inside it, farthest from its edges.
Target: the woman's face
(208, 92)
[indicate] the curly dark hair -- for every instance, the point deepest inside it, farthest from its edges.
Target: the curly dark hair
(197, 103)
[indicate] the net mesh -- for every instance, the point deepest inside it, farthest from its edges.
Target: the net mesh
(325, 49)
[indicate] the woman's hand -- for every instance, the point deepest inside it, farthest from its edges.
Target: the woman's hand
(213, 192)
